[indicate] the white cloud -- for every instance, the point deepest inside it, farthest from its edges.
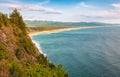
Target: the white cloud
(76, 13)
(83, 4)
(38, 7)
(26, 8)
(35, 8)
(44, 2)
(116, 5)
(83, 12)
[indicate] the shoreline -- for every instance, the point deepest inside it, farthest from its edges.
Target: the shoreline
(59, 30)
(38, 46)
(53, 31)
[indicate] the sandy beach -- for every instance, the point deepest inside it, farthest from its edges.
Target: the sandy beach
(58, 30)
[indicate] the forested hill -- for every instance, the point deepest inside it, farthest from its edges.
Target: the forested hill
(18, 55)
(53, 23)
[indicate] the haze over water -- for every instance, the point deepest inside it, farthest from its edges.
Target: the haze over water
(92, 52)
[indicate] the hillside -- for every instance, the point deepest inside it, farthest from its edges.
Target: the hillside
(18, 55)
(53, 23)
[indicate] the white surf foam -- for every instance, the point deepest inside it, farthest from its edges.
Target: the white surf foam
(38, 46)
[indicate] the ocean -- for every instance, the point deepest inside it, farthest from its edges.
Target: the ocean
(90, 52)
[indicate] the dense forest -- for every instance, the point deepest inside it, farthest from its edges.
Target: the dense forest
(18, 55)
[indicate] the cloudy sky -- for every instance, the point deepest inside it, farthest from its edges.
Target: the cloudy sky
(65, 10)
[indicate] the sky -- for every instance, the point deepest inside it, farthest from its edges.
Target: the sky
(107, 11)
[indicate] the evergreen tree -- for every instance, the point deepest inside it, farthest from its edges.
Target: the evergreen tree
(17, 20)
(3, 20)
(0, 19)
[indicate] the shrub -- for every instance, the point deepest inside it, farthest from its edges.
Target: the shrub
(2, 54)
(19, 53)
(4, 20)
(51, 65)
(3, 51)
(16, 70)
(26, 44)
(42, 59)
(59, 72)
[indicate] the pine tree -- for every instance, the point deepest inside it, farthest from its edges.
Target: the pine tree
(3, 20)
(0, 19)
(17, 20)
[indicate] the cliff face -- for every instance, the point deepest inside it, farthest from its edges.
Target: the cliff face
(18, 55)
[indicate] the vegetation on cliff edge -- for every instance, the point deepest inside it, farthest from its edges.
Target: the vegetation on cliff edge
(18, 55)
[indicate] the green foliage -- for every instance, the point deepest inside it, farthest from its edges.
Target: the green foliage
(4, 20)
(29, 63)
(19, 53)
(27, 45)
(16, 70)
(17, 20)
(60, 72)
(35, 66)
(42, 59)
(3, 51)
(14, 17)
(51, 65)
(2, 54)
(35, 70)
(17, 31)
(41, 71)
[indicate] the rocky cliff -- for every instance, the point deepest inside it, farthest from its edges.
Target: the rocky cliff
(18, 55)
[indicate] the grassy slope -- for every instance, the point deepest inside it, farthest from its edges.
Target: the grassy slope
(18, 55)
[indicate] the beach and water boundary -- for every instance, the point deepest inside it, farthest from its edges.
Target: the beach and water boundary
(60, 30)
(54, 31)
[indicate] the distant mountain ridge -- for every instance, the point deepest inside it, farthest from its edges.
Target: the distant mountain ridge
(55, 23)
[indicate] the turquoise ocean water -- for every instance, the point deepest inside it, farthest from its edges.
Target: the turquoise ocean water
(92, 52)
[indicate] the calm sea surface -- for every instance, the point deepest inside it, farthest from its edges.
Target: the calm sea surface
(93, 52)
